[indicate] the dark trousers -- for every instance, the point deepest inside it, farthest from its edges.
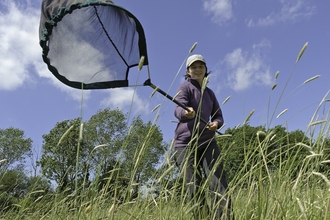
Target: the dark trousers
(205, 180)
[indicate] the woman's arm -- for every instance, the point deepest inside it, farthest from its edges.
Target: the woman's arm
(183, 97)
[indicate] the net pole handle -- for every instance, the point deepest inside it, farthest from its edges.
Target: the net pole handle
(148, 82)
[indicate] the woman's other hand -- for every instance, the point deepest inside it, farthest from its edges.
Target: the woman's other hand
(213, 126)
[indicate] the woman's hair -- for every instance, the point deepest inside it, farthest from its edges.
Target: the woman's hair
(187, 76)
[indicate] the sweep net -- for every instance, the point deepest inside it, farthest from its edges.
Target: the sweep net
(90, 44)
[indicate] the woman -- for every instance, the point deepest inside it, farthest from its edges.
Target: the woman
(196, 151)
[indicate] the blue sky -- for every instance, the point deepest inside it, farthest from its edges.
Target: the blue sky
(244, 43)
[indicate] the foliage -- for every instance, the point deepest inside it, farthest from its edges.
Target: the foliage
(108, 151)
(58, 160)
(143, 147)
(16, 187)
(14, 147)
(104, 133)
(13, 186)
(38, 186)
(247, 147)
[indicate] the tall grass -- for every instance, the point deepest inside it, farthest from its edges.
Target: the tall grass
(256, 191)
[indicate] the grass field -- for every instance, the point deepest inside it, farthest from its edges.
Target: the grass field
(279, 194)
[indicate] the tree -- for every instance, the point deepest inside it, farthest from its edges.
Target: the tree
(14, 183)
(59, 153)
(286, 155)
(142, 150)
(122, 153)
(104, 133)
(14, 147)
(270, 150)
(13, 187)
(39, 186)
(16, 186)
(99, 147)
(238, 150)
(107, 150)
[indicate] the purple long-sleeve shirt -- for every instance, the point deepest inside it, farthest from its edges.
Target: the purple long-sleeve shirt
(208, 109)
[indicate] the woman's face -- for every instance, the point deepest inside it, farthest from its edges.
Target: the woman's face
(197, 71)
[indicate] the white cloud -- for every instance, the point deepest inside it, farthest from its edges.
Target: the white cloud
(20, 50)
(291, 11)
(75, 94)
(262, 45)
(247, 70)
(124, 98)
(18, 45)
(220, 9)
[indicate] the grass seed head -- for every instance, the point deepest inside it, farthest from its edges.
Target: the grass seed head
(248, 117)
(274, 86)
(313, 154)
(165, 173)
(193, 47)
(176, 94)
(153, 92)
(302, 208)
(226, 100)
(81, 131)
(261, 135)
(311, 79)
(277, 74)
(99, 146)
(112, 209)
(323, 177)
(281, 113)
(167, 159)
(65, 134)
(308, 148)
(273, 137)
(204, 83)
(88, 209)
(302, 51)
(141, 63)
(155, 108)
(317, 122)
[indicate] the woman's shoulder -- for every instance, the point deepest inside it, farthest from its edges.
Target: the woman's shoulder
(209, 90)
(185, 84)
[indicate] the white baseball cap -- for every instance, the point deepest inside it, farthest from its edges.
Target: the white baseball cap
(194, 58)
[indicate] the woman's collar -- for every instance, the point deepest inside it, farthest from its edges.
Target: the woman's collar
(194, 82)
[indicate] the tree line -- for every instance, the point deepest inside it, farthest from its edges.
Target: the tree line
(106, 153)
